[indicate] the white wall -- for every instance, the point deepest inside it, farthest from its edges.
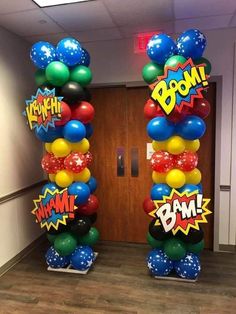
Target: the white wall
(20, 151)
(116, 62)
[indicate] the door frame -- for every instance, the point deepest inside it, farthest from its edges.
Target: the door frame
(217, 187)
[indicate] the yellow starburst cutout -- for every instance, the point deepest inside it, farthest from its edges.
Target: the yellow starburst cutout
(181, 211)
(53, 208)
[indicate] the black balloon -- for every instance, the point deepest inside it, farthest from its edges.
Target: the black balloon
(45, 87)
(72, 93)
(80, 226)
(61, 228)
(194, 236)
(93, 218)
(87, 95)
(158, 232)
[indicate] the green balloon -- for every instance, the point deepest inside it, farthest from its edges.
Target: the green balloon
(51, 237)
(196, 248)
(57, 73)
(65, 244)
(40, 77)
(206, 62)
(81, 74)
(91, 238)
(155, 244)
(174, 249)
(151, 71)
(175, 60)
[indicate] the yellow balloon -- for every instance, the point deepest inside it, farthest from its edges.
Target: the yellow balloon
(175, 145)
(82, 146)
(159, 145)
(82, 176)
(192, 145)
(61, 147)
(48, 147)
(64, 178)
(158, 177)
(193, 177)
(175, 178)
(51, 177)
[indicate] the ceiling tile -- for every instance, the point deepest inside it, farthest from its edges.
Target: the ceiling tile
(97, 35)
(130, 31)
(233, 22)
(52, 38)
(198, 8)
(136, 12)
(11, 6)
(29, 23)
(202, 23)
(81, 16)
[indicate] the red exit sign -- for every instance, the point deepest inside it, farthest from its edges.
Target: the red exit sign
(141, 40)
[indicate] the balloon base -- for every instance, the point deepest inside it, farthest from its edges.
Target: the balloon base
(70, 270)
(175, 278)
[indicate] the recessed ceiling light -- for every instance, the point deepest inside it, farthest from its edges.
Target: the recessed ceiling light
(49, 3)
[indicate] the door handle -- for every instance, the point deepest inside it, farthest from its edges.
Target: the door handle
(120, 159)
(134, 162)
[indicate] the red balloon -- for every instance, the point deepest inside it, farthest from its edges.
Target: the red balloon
(89, 158)
(177, 116)
(90, 207)
(162, 161)
(152, 110)
(83, 112)
(186, 161)
(51, 163)
(201, 108)
(75, 162)
(65, 114)
(148, 205)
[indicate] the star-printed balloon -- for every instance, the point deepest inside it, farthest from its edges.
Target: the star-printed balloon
(51, 164)
(89, 158)
(162, 161)
(75, 162)
(42, 53)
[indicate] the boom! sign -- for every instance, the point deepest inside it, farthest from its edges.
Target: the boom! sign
(179, 86)
(54, 208)
(43, 109)
(181, 211)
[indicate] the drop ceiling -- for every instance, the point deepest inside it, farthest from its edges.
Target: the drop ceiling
(113, 19)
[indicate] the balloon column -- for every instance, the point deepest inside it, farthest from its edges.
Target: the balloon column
(177, 77)
(60, 114)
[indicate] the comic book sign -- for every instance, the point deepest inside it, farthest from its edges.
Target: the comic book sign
(179, 86)
(181, 211)
(43, 109)
(54, 208)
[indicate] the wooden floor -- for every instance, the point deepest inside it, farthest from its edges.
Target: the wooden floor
(119, 283)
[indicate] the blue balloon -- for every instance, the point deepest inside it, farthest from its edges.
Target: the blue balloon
(54, 260)
(191, 44)
(50, 186)
(81, 190)
(85, 58)
(92, 184)
(42, 53)
(160, 190)
(158, 263)
(200, 188)
(189, 188)
(188, 267)
(160, 48)
(50, 135)
(69, 51)
(74, 131)
(191, 128)
(160, 129)
(82, 258)
(89, 130)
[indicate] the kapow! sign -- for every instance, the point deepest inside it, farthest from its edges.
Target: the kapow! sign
(54, 208)
(43, 109)
(181, 211)
(179, 86)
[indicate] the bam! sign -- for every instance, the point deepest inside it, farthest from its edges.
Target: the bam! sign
(181, 211)
(179, 86)
(43, 109)
(54, 208)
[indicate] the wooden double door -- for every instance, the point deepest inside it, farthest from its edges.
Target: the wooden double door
(120, 164)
